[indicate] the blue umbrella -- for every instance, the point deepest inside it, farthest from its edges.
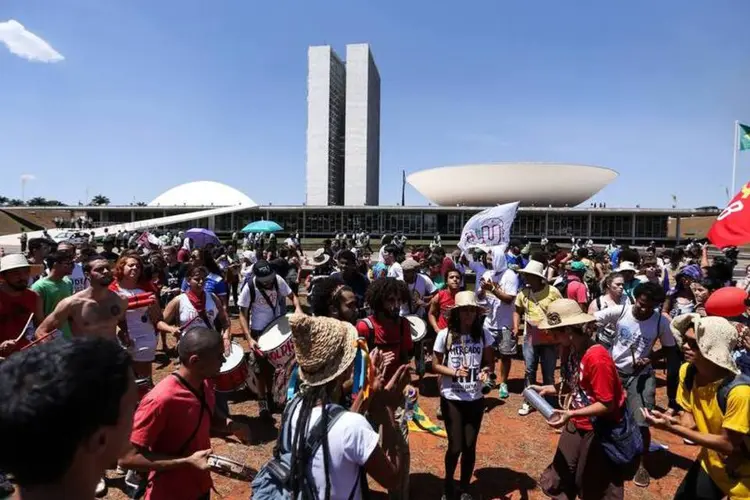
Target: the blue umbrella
(262, 226)
(201, 237)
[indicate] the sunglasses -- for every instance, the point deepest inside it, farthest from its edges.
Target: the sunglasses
(692, 343)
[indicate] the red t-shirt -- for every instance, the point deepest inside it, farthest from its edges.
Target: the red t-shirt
(392, 337)
(164, 420)
(446, 299)
(14, 313)
(599, 380)
(577, 290)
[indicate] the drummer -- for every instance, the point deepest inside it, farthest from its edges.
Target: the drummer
(262, 300)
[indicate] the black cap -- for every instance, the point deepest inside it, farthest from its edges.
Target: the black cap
(263, 272)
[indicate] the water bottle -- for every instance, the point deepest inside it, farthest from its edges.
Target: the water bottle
(538, 402)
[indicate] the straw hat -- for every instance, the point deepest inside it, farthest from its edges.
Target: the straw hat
(320, 257)
(626, 266)
(564, 312)
(466, 299)
(410, 265)
(716, 337)
(534, 268)
(324, 347)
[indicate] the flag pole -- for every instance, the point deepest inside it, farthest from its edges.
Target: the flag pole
(734, 154)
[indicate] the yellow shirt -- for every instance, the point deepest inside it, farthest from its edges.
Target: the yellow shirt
(536, 304)
(702, 403)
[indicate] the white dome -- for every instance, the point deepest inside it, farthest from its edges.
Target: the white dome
(202, 194)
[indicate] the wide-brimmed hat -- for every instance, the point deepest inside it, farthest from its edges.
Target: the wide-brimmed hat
(466, 299)
(410, 265)
(716, 337)
(534, 268)
(18, 261)
(626, 266)
(320, 257)
(324, 347)
(564, 312)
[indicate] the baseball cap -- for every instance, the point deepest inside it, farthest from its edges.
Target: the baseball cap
(263, 272)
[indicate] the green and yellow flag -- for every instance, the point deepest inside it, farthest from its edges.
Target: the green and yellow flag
(744, 137)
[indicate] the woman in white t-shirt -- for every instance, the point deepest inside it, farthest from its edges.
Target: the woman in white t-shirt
(463, 359)
(326, 349)
(613, 286)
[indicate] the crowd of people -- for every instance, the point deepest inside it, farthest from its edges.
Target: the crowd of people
(80, 327)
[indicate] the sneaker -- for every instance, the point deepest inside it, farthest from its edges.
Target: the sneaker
(439, 413)
(101, 488)
(503, 391)
(525, 409)
(642, 478)
(133, 479)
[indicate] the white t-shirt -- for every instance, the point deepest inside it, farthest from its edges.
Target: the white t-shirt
(262, 314)
(381, 254)
(500, 314)
(479, 270)
(351, 443)
(78, 278)
(634, 338)
(396, 271)
(464, 353)
(422, 287)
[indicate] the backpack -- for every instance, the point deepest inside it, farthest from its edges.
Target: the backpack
(272, 481)
(371, 338)
(589, 279)
(562, 285)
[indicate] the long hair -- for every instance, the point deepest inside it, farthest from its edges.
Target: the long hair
(381, 289)
(208, 261)
(299, 461)
(119, 271)
(454, 326)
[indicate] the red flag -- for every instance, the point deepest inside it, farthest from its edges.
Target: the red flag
(732, 226)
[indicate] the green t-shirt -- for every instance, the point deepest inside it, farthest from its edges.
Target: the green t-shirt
(52, 292)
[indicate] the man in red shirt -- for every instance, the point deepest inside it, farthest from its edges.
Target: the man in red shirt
(171, 428)
(17, 303)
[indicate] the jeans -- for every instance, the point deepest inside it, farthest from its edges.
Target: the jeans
(545, 354)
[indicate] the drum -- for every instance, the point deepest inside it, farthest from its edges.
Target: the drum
(229, 467)
(233, 372)
(144, 385)
(417, 326)
(276, 342)
(253, 372)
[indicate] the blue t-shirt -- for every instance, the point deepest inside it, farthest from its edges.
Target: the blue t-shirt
(214, 284)
(379, 270)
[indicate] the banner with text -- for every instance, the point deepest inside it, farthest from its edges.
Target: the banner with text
(489, 228)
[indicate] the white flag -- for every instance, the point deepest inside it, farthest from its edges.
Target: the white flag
(489, 228)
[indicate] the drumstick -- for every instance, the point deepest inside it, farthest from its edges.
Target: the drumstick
(23, 332)
(40, 339)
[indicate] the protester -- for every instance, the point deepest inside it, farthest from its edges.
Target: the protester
(613, 287)
(390, 252)
(539, 347)
(198, 308)
(576, 289)
(638, 327)
(19, 306)
(57, 285)
(334, 299)
(351, 277)
(171, 428)
(464, 360)
(716, 403)
(215, 282)
(66, 416)
(580, 467)
(443, 300)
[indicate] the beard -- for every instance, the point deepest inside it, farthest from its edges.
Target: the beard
(106, 281)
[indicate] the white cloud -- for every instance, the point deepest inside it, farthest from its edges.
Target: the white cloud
(28, 177)
(26, 44)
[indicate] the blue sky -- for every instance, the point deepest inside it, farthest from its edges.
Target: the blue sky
(153, 93)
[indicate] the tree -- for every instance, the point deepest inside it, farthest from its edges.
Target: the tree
(56, 203)
(37, 201)
(15, 202)
(100, 199)
(141, 204)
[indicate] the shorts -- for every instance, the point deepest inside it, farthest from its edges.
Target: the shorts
(143, 349)
(505, 344)
(641, 393)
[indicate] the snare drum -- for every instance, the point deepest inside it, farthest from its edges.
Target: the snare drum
(276, 342)
(233, 372)
(417, 326)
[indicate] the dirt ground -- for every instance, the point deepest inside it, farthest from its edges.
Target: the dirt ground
(512, 451)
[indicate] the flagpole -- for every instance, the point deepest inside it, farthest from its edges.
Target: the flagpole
(734, 155)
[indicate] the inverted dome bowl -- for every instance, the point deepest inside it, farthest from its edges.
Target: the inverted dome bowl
(487, 184)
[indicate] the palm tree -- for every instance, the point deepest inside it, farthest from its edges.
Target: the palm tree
(37, 201)
(141, 204)
(100, 199)
(15, 202)
(55, 203)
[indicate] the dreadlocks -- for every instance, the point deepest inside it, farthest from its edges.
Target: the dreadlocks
(324, 295)
(381, 289)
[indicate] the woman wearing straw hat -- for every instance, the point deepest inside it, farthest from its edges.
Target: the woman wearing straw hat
(580, 467)
(464, 359)
(325, 349)
(539, 347)
(716, 400)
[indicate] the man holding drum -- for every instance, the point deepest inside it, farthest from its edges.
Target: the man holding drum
(262, 300)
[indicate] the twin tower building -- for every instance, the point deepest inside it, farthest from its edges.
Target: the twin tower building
(343, 127)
